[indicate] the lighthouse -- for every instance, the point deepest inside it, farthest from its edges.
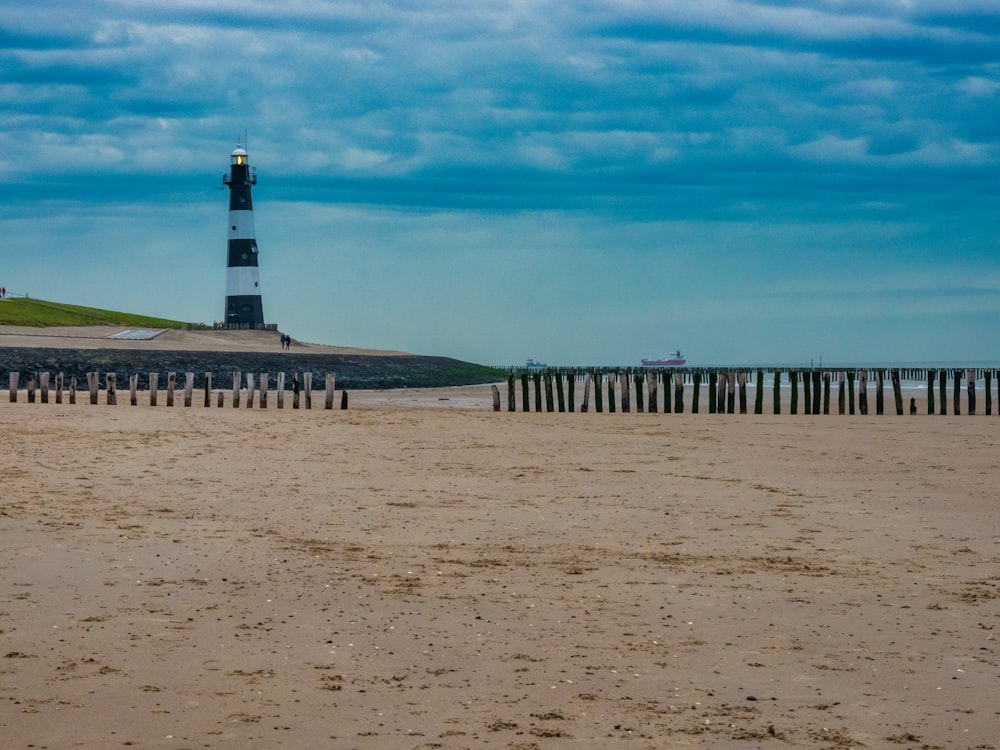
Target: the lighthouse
(243, 304)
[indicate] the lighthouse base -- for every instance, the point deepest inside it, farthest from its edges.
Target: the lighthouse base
(244, 311)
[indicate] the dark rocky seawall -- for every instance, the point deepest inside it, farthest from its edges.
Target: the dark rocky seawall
(354, 372)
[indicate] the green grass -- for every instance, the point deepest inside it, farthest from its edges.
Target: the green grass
(41, 313)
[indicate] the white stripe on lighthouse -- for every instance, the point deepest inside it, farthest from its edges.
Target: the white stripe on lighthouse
(242, 281)
(241, 225)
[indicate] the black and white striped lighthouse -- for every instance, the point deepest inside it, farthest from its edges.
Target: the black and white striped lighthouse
(243, 304)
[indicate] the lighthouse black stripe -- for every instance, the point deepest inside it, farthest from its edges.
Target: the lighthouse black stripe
(242, 253)
(239, 196)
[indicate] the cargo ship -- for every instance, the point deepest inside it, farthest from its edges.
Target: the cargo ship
(674, 359)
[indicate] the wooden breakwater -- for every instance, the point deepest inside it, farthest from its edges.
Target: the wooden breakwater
(730, 390)
(46, 386)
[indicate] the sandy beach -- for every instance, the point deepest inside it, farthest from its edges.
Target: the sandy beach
(393, 576)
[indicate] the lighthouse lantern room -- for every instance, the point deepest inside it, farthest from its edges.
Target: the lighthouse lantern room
(243, 302)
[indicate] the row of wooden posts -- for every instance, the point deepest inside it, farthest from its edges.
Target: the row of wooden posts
(726, 389)
(302, 389)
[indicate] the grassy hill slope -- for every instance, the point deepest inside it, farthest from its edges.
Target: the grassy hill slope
(41, 313)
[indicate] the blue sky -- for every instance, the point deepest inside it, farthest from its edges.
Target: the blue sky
(582, 183)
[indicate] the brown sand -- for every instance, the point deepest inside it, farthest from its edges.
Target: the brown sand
(398, 577)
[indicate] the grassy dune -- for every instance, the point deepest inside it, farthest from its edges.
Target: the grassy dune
(42, 313)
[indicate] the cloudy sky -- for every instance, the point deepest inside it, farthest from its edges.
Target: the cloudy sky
(579, 182)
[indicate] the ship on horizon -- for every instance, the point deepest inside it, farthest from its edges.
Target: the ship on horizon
(674, 359)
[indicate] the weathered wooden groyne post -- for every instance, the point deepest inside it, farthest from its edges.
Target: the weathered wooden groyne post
(863, 392)
(931, 377)
(971, 389)
(713, 394)
(281, 390)
(110, 381)
(14, 377)
(943, 391)
(330, 382)
(793, 379)
(807, 391)
(695, 392)
(92, 386)
(59, 387)
(560, 393)
(188, 388)
(72, 389)
(571, 383)
(879, 395)
(133, 388)
(652, 392)
(511, 400)
(826, 393)
(307, 382)
(743, 392)
(43, 385)
(171, 384)
(850, 392)
(777, 392)
(956, 405)
(250, 389)
(537, 380)
(612, 378)
(236, 389)
(987, 380)
(758, 404)
(153, 387)
(897, 391)
(525, 403)
(587, 384)
(549, 403)
(626, 394)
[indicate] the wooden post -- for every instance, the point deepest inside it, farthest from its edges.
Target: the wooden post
(987, 380)
(525, 398)
(296, 387)
(863, 392)
(110, 380)
(32, 386)
(970, 388)
(626, 394)
(560, 392)
(640, 404)
(793, 378)
(598, 392)
(133, 387)
(758, 402)
(14, 377)
(250, 390)
(943, 390)
(93, 383)
(307, 381)
(777, 392)
(611, 392)
(850, 393)
(743, 392)
(281, 390)
(59, 387)
(72, 389)
(696, 395)
(841, 394)
(713, 392)
(879, 395)
(221, 398)
(930, 390)
(730, 393)
(496, 398)
(208, 390)
(817, 394)
(652, 390)
(171, 385)
(153, 387)
(549, 405)
(511, 399)
(188, 388)
(343, 400)
(236, 389)
(330, 382)
(537, 380)
(826, 392)
(262, 385)
(587, 383)
(957, 393)
(43, 384)
(678, 393)
(571, 396)
(668, 392)
(897, 392)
